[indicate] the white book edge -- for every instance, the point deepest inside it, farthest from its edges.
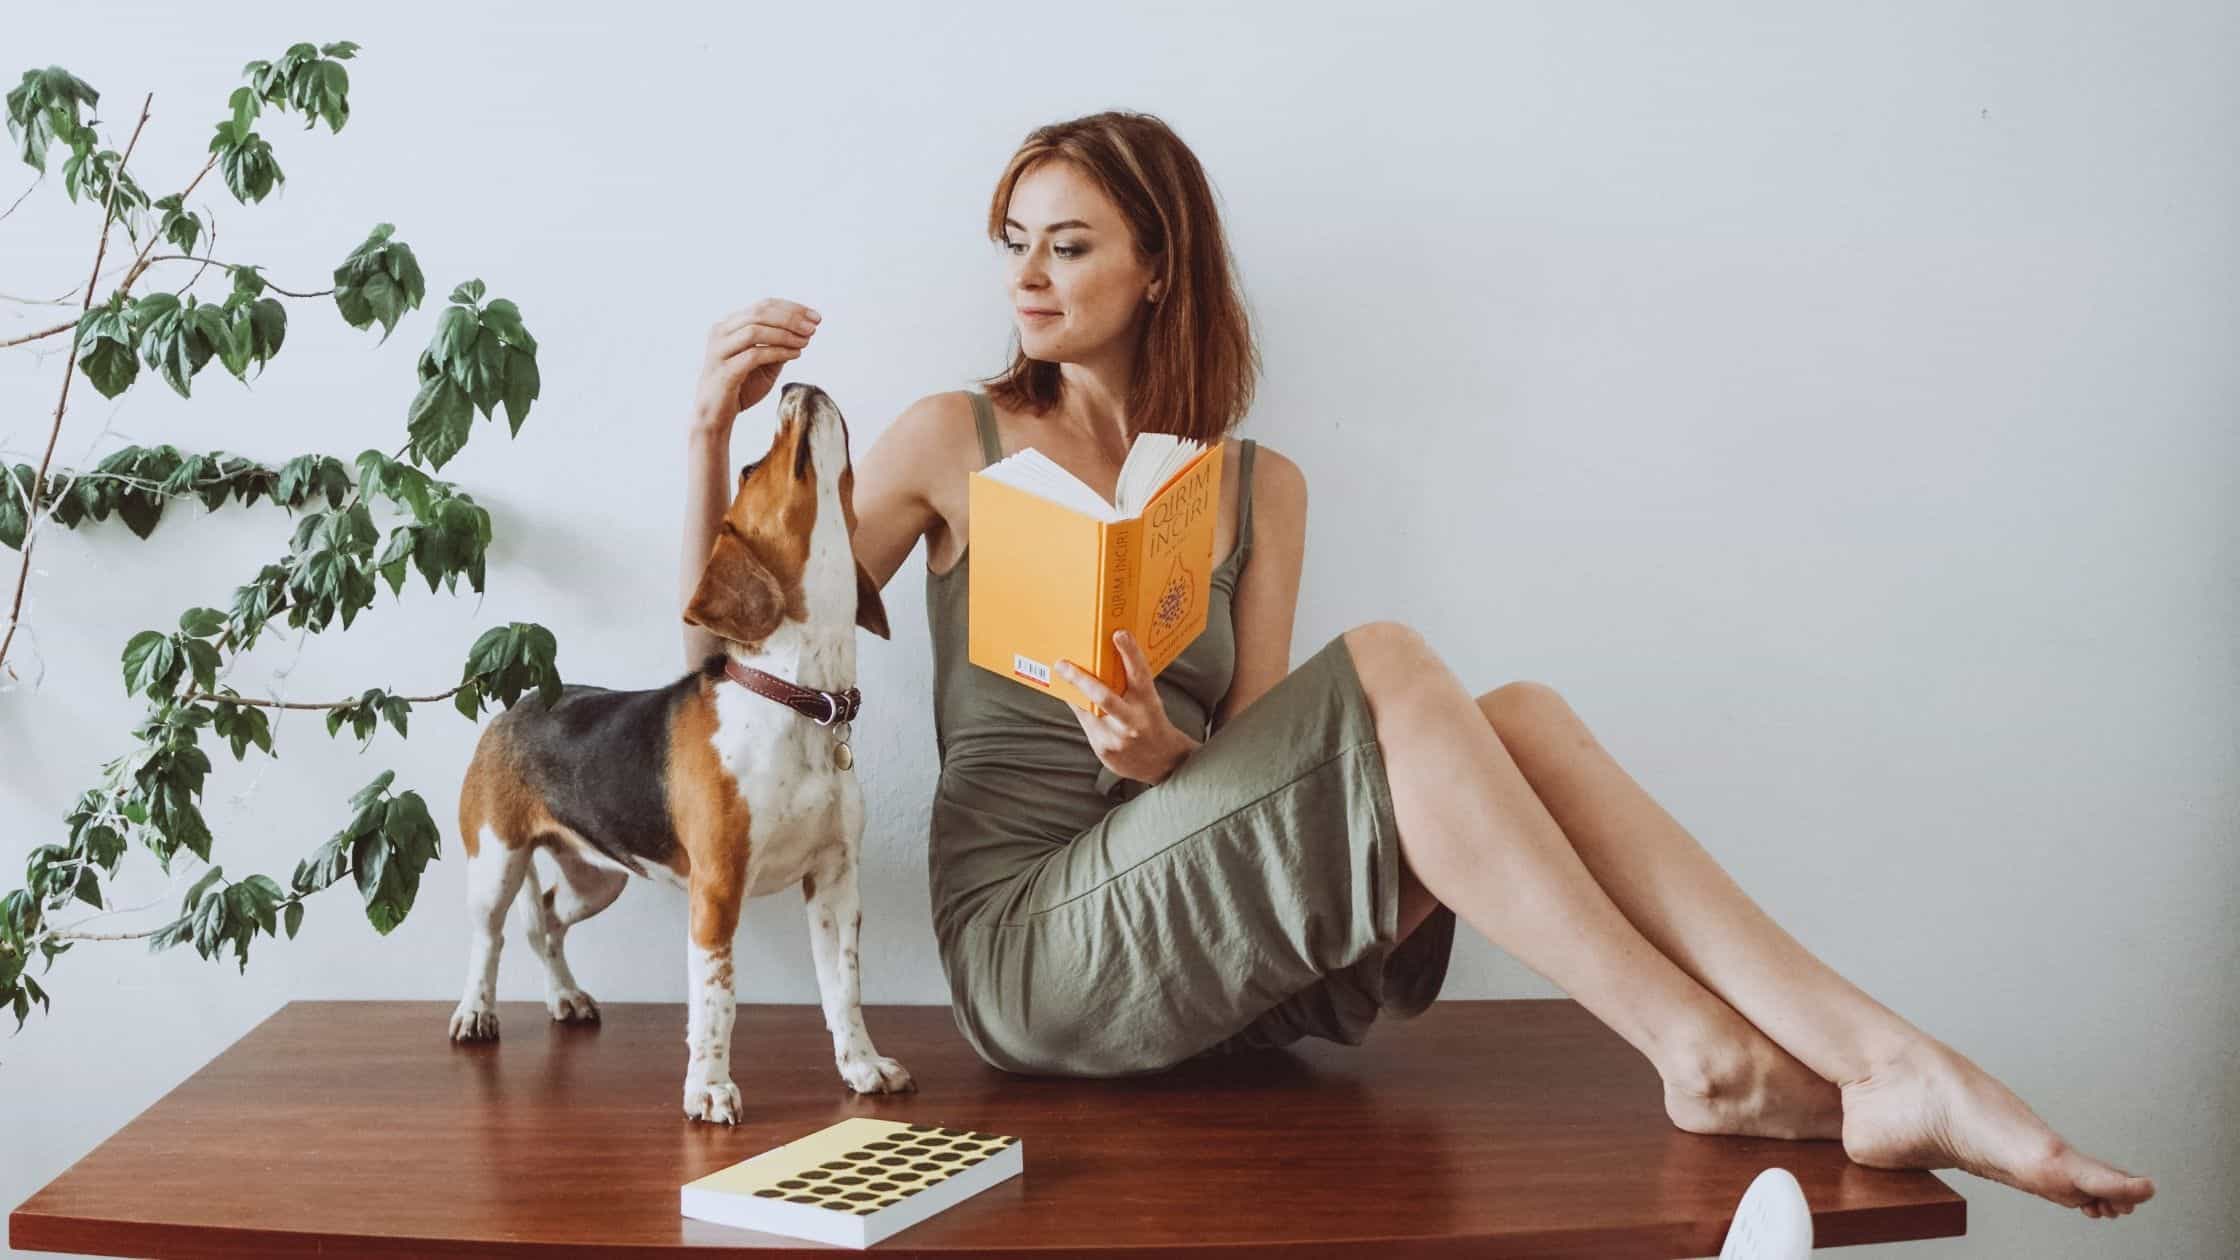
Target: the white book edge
(842, 1229)
(1152, 461)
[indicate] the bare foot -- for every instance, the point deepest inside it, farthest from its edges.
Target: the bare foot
(1754, 1088)
(1936, 1109)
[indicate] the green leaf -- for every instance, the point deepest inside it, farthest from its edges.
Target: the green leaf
(294, 918)
(171, 934)
(486, 373)
(398, 710)
(105, 347)
(504, 318)
(439, 421)
(209, 925)
(369, 860)
(16, 499)
(245, 107)
(363, 799)
(139, 510)
(194, 894)
(203, 659)
(521, 387)
(268, 325)
(188, 829)
(202, 622)
(144, 660)
(470, 292)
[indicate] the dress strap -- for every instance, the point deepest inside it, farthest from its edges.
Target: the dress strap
(984, 417)
(1244, 492)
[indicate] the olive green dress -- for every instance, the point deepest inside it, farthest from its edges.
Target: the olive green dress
(1091, 925)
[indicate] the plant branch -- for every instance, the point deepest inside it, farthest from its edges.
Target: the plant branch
(19, 200)
(234, 267)
(193, 696)
(54, 433)
(140, 266)
(40, 335)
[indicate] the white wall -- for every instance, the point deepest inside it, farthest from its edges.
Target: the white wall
(1835, 402)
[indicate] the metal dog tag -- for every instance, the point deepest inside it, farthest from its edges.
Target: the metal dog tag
(842, 757)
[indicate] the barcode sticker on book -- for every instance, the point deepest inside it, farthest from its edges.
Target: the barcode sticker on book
(1028, 667)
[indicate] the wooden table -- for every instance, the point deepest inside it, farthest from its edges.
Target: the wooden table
(1482, 1129)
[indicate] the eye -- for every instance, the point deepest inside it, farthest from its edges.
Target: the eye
(1062, 251)
(748, 471)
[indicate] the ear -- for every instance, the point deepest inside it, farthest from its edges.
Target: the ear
(737, 597)
(871, 611)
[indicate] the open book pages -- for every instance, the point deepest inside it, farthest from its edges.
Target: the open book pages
(1152, 459)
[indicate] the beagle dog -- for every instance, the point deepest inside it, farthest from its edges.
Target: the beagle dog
(733, 781)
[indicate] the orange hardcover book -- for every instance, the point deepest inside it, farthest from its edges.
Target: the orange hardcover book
(1057, 570)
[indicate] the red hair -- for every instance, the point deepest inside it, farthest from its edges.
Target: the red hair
(1196, 361)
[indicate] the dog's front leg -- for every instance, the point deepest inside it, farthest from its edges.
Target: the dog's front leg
(709, 1093)
(835, 924)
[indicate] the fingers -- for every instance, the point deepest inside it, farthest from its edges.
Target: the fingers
(1088, 683)
(1132, 659)
(724, 344)
(776, 312)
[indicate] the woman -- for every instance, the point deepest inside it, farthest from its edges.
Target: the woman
(1239, 853)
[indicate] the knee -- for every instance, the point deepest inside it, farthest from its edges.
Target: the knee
(1389, 643)
(1398, 669)
(1522, 698)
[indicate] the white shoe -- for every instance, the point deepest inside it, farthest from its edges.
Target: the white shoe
(1772, 1222)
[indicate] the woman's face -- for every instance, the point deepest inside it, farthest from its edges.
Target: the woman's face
(1068, 251)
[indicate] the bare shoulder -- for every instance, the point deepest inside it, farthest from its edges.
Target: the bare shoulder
(920, 451)
(1276, 480)
(928, 428)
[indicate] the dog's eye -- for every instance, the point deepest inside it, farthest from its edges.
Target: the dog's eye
(748, 471)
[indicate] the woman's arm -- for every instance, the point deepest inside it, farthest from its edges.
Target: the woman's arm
(746, 351)
(707, 495)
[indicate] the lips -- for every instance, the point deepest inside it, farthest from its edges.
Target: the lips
(1033, 314)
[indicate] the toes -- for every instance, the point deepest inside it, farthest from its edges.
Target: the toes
(715, 1101)
(572, 1004)
(474, 1025)
(875, 1074)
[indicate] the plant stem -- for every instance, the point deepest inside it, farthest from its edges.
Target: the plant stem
(69, 369)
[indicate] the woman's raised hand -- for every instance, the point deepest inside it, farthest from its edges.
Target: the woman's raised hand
(746, 351)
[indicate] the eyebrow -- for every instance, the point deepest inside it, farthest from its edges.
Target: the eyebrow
(1068, 223)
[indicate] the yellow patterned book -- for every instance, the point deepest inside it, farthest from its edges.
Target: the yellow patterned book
(1055, 570)
(855, 1182)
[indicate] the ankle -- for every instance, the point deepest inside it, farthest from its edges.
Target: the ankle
(1706, 1064)
(1906, 1055)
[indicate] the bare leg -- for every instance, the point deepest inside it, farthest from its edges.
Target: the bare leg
(1476, 838)
(1456, 787)
(1908, 1100)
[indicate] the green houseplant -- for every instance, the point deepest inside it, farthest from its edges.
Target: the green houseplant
(481, 357)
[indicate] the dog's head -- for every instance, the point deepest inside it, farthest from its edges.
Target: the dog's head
(759, 573)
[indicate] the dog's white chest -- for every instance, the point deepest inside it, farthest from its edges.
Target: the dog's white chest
(800, 807)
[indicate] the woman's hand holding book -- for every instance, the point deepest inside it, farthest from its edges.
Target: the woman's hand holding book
(1133, 737)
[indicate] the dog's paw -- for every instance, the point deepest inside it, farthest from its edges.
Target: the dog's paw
(714, 1101)
(474, 1023)
(875, 1074)
(572, 1004)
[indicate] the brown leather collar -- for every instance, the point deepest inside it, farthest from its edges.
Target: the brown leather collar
(825, 707)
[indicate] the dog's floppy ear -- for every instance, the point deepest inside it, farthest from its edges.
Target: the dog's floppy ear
(737, 597)
(871, 611)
